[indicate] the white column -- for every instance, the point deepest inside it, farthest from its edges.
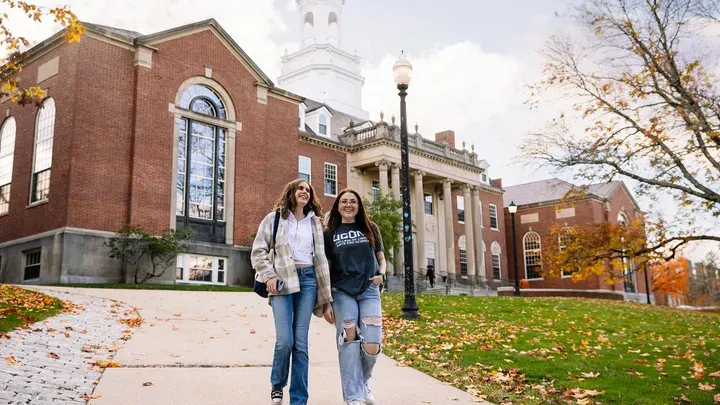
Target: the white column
(441, 251)
(395, 177)
(383, 167)
(477, 230)
(469, 237)
(449, 234)
(420, 221)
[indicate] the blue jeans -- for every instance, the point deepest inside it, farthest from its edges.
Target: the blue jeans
(356, 364)
(292, 315)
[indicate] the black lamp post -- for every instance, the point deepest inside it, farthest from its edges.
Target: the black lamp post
(512, 208)
(402, 70)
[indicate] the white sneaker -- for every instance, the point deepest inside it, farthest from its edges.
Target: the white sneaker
(369, 397)
(353, 403)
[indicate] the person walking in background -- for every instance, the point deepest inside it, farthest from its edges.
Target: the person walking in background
(431, 275)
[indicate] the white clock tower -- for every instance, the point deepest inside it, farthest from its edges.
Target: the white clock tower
(321, 70)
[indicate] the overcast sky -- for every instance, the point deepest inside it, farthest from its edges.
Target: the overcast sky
(471, 58)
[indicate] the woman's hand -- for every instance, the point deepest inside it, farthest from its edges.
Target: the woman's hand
(272, 285)
(377, 280)
(328, 314)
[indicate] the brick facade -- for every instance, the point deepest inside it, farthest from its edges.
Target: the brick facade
(591, 210)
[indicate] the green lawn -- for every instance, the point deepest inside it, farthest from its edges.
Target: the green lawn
(19, 307)
(177, 287)
(607, 352)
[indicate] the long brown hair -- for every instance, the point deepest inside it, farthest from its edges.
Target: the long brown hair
(361, 219)
(287, 202)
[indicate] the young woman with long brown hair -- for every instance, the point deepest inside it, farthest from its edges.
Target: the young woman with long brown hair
(354, 248)
(298, 260)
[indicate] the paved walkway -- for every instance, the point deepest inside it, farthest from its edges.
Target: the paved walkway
(51, 362)
(216, 348)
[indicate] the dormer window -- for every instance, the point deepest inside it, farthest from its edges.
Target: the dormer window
(322, 126)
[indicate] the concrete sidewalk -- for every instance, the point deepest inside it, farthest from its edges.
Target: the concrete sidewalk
(216, 348)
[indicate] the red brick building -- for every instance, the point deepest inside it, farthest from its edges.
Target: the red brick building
(182, 129)
(178, 128)
(537, 212)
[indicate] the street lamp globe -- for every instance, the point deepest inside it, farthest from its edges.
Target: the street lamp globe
(512, 208)
(402, 70)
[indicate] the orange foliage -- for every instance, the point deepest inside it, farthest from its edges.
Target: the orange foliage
(671, 277)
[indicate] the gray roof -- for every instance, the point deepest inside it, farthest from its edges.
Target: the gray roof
(536, 192)
(112, 30)
(605, 190)
(339, 121)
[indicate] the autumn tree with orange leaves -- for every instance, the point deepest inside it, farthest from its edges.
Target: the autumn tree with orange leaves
(592, 249)
(671, 278)
(13, 58)
(645, 105)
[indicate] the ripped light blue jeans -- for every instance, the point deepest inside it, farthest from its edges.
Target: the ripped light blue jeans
(363, 315)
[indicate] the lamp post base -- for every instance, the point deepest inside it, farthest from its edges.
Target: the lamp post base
(516, 293)
(410, 308)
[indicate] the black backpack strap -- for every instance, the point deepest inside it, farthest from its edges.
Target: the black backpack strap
(275, 227)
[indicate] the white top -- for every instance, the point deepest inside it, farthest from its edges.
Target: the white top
(301, 238)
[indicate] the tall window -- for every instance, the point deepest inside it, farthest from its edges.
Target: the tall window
(7, 150)
(304, 168)
(533, 255)
(496, 267)
(200, 187)
(563, 241)
(461, 208)
(430, 253)
(32, 264)
(428, 203)
(493, 217)
(322, 127)
(330, 179)
(44, 133)
(463, 256)
(375, 189)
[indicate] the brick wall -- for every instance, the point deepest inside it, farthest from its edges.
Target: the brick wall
(319, 155)
(23, 220)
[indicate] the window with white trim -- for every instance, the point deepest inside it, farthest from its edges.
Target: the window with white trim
(493, 217)
(198, 269)
(330, 179)
(563, 241)
(428, 203)
(322, 125)
(7, 151)
(32, 264)
(42, 160)
(460, 200)
(430, 253)
(533, 255)
(375, 190)
(305, 168)
(496, 267)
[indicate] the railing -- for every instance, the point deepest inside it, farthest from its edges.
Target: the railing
(384, 131)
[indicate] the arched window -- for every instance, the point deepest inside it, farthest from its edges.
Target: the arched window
(322, 126)
(308, 27)
(44, 133)
(533, 255)
(200, 188)
(496, 251)
(463, 255)
(333, 29)
(7, 150)
(627, 263)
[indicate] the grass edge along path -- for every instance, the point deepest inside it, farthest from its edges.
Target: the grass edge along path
(559, 350)
(20, 307)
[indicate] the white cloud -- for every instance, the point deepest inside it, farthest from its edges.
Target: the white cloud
(249, 22)
(454, 87)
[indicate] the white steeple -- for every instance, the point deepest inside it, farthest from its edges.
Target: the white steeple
(321, 70)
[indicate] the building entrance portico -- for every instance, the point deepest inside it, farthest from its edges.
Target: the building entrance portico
(445, 197)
